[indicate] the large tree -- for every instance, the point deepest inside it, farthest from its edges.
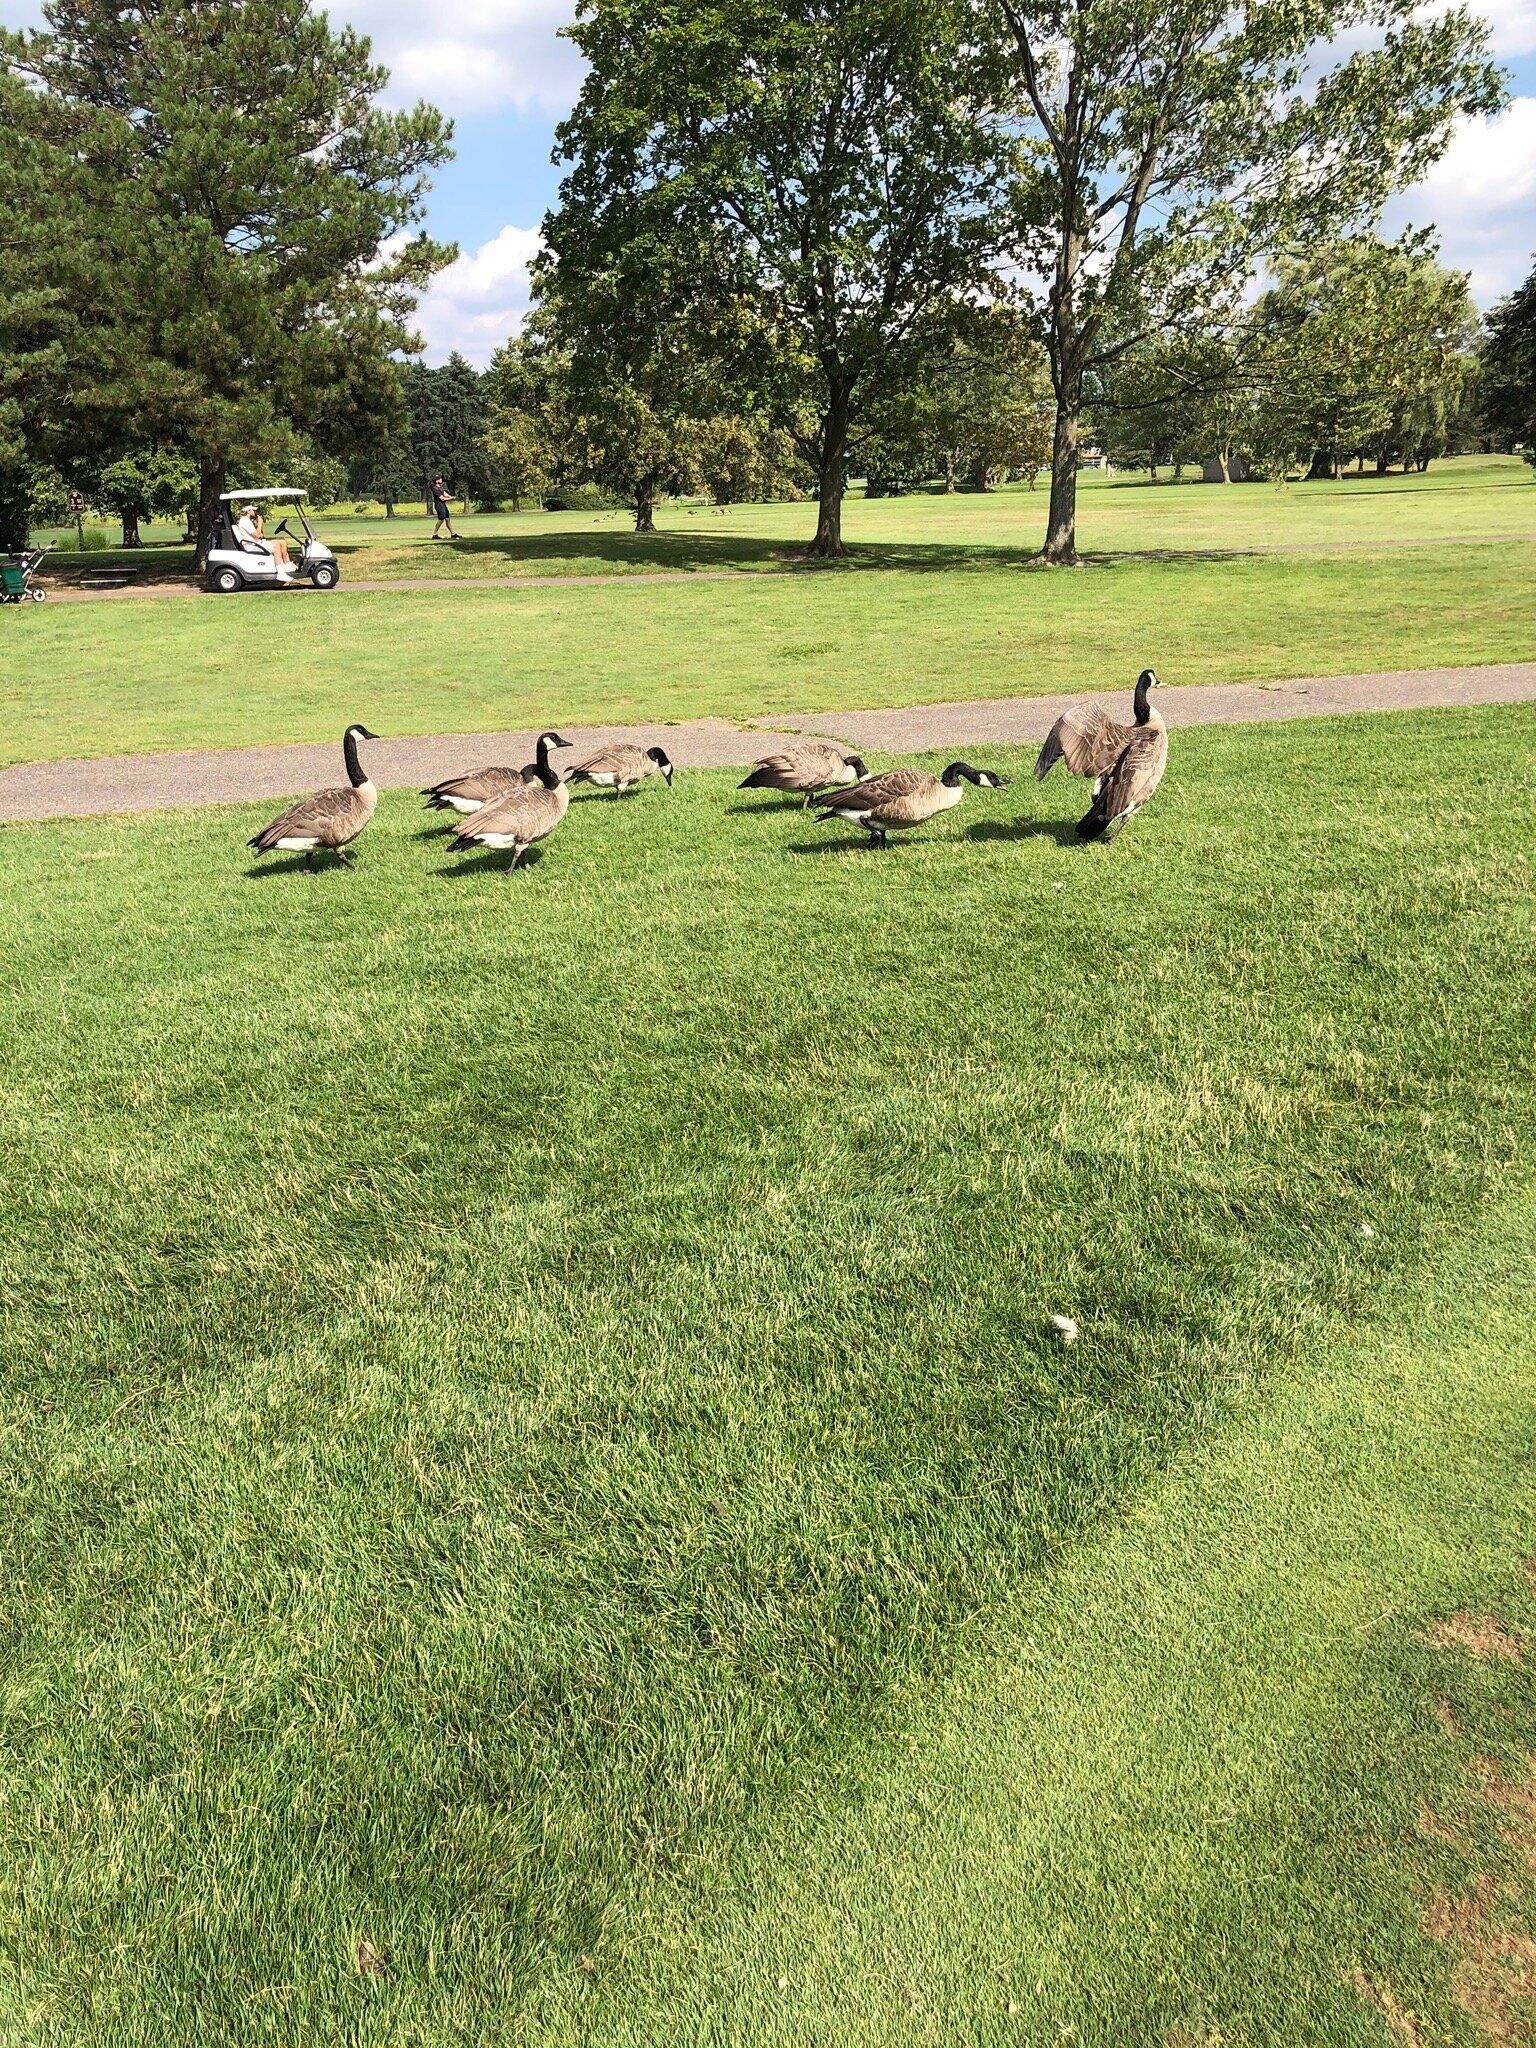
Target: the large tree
(1176, 142)
(249, 207)
(806, 184)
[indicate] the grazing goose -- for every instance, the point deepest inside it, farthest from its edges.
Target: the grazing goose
(1125, 761)
(466, 793)
(903, 797)
(331, 817)
(622, 768)
(818, 764)
(527, 812)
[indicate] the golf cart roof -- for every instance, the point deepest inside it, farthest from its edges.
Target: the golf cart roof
(267, 491)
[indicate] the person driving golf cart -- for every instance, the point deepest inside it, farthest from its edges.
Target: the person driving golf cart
(250, 532)
(241, 557)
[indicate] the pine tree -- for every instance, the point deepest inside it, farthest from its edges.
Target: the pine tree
(245, 184)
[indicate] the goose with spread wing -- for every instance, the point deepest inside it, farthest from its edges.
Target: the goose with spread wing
(1125, 761)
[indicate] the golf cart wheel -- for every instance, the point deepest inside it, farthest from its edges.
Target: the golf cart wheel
(225, 581)
(37, 596)
(325, 576)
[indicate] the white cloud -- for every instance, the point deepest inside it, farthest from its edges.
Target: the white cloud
(1512, 26)
(480, 299)
(1481, 196)
(474, 56)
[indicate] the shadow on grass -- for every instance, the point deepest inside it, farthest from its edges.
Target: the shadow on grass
(487, 860)
(1062, 830)
(263, 870)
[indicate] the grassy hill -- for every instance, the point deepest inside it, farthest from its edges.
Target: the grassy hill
(544, 1503)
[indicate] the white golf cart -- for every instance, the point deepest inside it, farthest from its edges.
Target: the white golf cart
(236, 565)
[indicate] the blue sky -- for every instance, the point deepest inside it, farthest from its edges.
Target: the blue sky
(504, 73)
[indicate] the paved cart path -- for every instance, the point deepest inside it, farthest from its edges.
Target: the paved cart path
(152, 782)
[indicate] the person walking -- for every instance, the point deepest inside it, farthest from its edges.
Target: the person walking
(440, 509)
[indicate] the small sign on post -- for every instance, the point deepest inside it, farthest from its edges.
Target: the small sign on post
(77, 513)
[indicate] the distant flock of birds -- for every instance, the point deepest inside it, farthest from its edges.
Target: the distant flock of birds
(511, 809)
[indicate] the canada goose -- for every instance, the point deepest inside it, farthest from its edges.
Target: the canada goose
(818, 764)
(466, 793)
(903, 797)
(622, 768)
(1125, 761)
(528, 811)
(331, 817)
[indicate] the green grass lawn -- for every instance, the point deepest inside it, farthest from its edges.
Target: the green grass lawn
(1470, 497)
(529, 1396)
(162, 673)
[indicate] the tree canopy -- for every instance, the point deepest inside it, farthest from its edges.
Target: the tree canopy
(243, 264)
(1175, 145)
(808, 189)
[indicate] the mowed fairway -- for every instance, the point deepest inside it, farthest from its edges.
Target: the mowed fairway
(935, 604)
(525, 1395)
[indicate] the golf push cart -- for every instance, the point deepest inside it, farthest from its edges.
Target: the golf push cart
(236, 565)
(17, 581)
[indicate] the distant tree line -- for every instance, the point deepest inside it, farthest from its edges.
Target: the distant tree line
(1359, 351)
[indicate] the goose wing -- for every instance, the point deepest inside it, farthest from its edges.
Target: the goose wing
(796, 768)
(619, 760)
(876, 791)
(1088, 740)
(525, 812)
(330, 816)
(1134, 777)
(477, 787)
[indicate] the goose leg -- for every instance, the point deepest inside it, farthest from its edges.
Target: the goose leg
(517, 854)
(309, 862)
(343, 856)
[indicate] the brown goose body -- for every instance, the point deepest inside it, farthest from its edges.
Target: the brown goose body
(525, 814)
(903, 797)
(622, 768)
(330, 819)
(801, 770)
(1127, 762)
(466, 793)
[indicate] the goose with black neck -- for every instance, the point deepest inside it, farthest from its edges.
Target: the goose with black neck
(330, 819)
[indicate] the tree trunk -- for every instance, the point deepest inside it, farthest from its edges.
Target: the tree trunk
(645, 506)
(1320, 469)
(131, 530)
(1061, 521)
(832, 475)
(1224, 457)
(210, 488)
(1383, 462)
(389, 508)
(977, 477)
